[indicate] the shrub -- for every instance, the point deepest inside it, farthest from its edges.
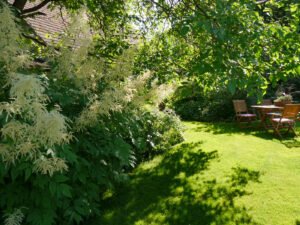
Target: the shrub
(191, 102)
(71, 133)
(164, 131)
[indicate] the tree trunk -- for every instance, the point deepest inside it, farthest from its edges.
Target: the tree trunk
(20, 4)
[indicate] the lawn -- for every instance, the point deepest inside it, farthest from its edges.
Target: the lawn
(219, 175)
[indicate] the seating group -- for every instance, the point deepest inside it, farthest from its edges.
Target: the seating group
(271, 116)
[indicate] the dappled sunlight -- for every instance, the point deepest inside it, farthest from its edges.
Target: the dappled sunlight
(223, 128)
(174, 192)
(274, 201)
(229, 129)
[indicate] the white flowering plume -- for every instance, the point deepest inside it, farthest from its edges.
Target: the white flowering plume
(12, 55)
(31, 130)
(85, 72)
(74, 62)
(131, 93)
(122, 90)
(14, 218)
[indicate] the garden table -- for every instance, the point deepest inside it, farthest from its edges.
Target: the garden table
(263, 110)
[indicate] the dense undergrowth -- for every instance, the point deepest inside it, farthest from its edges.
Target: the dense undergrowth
(70, 132)
(191, 102)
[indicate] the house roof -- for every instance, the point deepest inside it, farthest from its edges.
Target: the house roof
(48, 24)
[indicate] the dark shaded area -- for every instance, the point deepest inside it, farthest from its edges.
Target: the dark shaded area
(256, 130)
(225, 128)
(291, 143)
(174, 193)
(192, 102)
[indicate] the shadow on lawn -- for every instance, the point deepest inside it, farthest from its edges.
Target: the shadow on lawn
(232, 128)
(291, 143)
(224, 128)
(172, 192)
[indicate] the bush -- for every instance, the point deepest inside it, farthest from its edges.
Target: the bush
(147, 132)
(165, 131)
(72, 132)
(191, 102)
(98, 158)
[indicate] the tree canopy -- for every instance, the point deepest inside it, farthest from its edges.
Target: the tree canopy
(72, 131)
(243, 44)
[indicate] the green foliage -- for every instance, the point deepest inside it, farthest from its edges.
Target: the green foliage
(72, 132)
(162, 129)
(228, 42)
(225, 45)
(98, 159)
(291, 87)
(167, 56)
(192, 102)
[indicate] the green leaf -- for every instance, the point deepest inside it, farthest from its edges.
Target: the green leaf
(28, 173)
(293, 7)
(232, 86)
(185, 30)
(65, 190)
(59, 178)
(298, 70)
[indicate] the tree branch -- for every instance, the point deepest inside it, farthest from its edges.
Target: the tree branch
(35, 8)
(34, 14)
(19, 4)
(204, 13)
(261, 1)
(41, 42)
(165, 10)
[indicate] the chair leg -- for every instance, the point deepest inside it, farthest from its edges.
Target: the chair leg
(238, 121)
(293, 130)
(276, 130)
(278, 133)
(249, 122)
(289, 128)
(244, 122)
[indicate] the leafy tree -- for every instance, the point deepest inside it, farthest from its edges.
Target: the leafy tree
(232, 41)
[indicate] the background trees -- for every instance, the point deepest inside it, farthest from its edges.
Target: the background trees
(243, 44)
(74, 130)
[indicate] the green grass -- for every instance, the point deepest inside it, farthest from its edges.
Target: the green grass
(219, 175)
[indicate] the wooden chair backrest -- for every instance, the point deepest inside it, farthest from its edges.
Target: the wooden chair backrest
(291, 111)
(240, 106)
(267, 102)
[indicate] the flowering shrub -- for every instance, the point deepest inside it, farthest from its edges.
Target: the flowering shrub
(70, 133)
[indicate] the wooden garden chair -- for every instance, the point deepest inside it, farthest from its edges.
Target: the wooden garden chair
(266, 102)
(242, 114)
(286, 120)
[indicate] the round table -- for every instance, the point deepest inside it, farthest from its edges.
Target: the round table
(263, 110)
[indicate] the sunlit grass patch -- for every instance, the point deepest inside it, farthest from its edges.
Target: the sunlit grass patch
(219, 175)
